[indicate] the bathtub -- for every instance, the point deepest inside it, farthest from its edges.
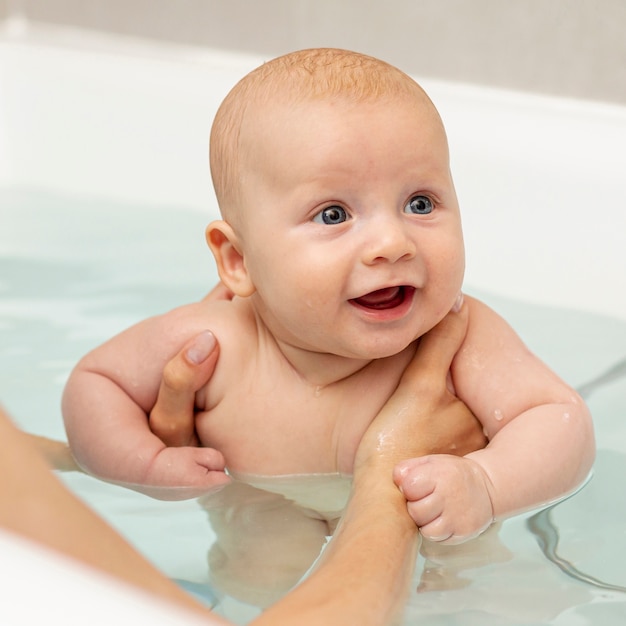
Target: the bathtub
(104, 194)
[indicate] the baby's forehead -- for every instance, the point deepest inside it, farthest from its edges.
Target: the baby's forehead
(268, 117)
(317, 137)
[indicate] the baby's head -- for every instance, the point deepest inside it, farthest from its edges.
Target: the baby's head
(331, 170)
(307, 75)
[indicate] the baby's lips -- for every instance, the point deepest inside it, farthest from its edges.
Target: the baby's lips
(386, 298)
(380, 297)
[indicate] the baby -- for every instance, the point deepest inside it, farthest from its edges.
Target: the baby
(341, 241)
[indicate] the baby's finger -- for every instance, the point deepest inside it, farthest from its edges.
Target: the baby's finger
(437, 530)
(414, 478)
(426, 510)
(211, 460)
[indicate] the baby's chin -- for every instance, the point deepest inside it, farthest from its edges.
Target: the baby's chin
(376, 352)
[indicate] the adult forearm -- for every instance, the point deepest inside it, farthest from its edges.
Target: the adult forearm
(366, 568)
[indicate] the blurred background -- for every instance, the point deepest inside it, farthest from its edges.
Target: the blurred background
(571, 48)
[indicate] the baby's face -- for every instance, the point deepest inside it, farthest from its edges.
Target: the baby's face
(350, 224)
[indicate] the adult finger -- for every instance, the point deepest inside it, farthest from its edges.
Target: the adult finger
(436, 350)
(172, 417)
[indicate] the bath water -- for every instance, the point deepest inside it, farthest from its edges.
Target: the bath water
(74, 270)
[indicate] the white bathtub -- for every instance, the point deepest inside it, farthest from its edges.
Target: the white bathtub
(540, 180)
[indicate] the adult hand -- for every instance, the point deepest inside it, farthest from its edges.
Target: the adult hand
(422, 433)
(423, 416)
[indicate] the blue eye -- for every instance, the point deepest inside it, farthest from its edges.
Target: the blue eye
(419, 205)
(331, 215)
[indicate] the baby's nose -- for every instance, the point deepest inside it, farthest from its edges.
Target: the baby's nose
(388, 241)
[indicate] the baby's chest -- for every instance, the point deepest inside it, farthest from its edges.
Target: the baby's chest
(269, 430)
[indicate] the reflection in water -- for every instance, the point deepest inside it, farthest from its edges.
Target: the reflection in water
(264, 542)
(446, 566)
(542, 526)
(267, 538)
(585, 533)
(597, 496)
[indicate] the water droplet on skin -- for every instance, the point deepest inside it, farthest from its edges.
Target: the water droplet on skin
(498, 415)
(318, 391)
(566, 417)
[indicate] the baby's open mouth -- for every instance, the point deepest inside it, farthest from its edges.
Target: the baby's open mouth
(387, 298)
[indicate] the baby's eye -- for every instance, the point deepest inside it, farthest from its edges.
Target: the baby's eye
(331, 215)
(419, 205)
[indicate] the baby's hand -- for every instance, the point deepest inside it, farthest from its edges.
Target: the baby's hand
(447, 496)
(177, 473)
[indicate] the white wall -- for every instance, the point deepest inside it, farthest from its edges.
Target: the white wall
(562, 47)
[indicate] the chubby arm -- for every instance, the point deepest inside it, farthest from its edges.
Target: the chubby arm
(541, 444)
(541, 433)
(105, 405)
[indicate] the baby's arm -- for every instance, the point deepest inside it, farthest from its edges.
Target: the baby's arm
(105, 406)
(541, 438)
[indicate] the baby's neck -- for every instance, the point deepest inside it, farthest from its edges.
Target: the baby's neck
(321, 369)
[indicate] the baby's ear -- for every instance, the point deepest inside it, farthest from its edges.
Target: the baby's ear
(226, 249)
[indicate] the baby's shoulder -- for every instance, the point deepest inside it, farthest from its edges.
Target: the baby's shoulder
(484, 322)
(231, 321)
(490, 340)
(233, 325)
